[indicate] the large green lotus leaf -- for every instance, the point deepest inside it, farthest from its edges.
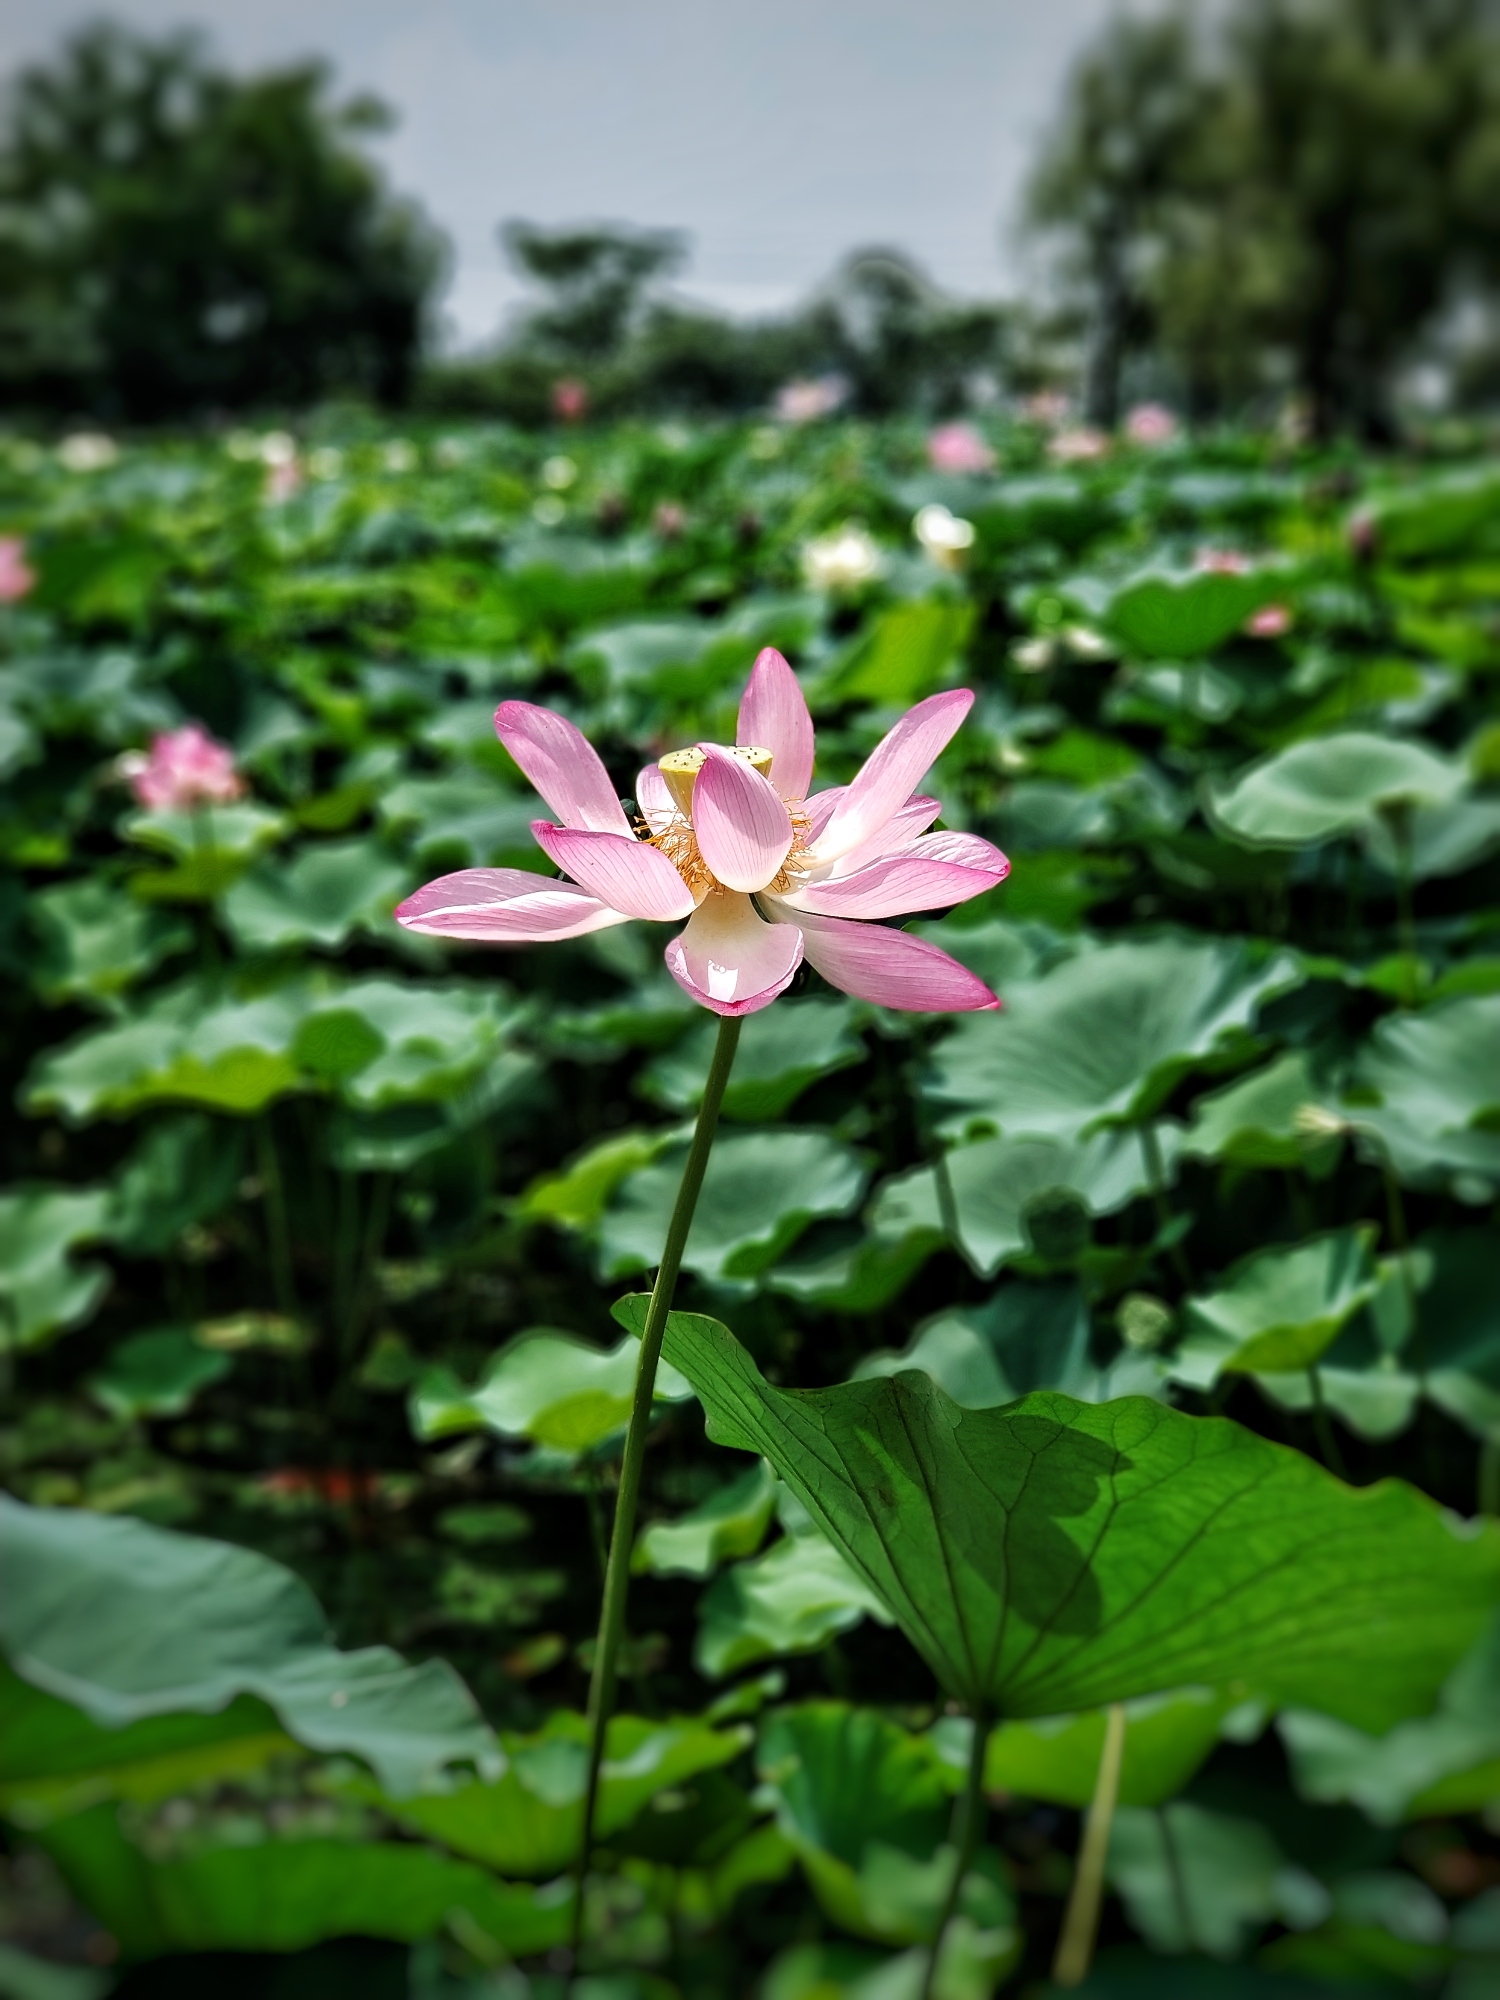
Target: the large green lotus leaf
(1175, 614)
(329, 891)
(1445, 1762)
(96, 941)
(759, 1194)
(1436, 1075)
(1443, 840)
(184, 832)
(287, 1894)
(544, 1386)
(993, 1188)
(424, 1042)
(1278, 1310)
(576, 1197)
(864, 1806)
(1254, 1121)
(1192, 1879)
(1433, 517)
(528, 1822)
(1367, 1386)
(1055, 1555)
(1025, 1337)
(57, 1762)
(463, 820)
(780, 1053)
(1104, 1037)
(42, 1290)
(185, 1168)
(793, 1599)
(731, 1522)
(1332, 785)
(156, 1374)
(126, 1621)
(903, 655)
(230, 1055)
(1050, 507)
(1056, 1757)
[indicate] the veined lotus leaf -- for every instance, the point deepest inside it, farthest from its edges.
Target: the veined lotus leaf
(1054, 1555)
(1104, 1038)
(1278, 1310)
(157, 1374)
(96, 941)
(125, 1621)
(1176, 614)
(545, 1386)
(1332, 785)
(1192, 1879)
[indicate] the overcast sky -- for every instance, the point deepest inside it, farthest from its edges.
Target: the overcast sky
(778, 133)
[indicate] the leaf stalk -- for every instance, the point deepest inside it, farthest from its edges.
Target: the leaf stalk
(1075, 1948)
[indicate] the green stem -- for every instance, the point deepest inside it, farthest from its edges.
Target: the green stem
(1156, 1174)
(1075, 1948)
(1489, 1474)
(968, 1824)
(617, 1574)
(278, 1231)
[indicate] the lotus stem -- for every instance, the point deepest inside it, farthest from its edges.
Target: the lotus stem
(1328, 1444)
(968, 1823)
(1075, 1948)
(604, 1677)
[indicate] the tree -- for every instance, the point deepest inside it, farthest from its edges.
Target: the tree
(173, 238)
(598, 280)
(1297, 197)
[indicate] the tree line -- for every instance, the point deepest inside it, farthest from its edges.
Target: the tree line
(1267, 199)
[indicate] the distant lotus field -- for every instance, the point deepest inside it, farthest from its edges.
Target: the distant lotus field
(1067, 1544)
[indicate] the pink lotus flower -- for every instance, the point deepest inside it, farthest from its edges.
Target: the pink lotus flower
(958, 448)
(570, 400)
(765, 875)
(184, 767)
(804, 402)
(1047, 406)
(17, 577)
(1270, 622)
(1150, 424)
(1078, 447)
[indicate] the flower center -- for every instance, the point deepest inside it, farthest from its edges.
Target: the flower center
(680, 768)
(679, 842)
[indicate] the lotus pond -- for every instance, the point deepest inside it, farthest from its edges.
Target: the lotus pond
(1112, 1380)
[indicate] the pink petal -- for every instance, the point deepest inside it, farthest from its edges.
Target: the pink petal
(822, 806)
(744, 829)
(898, 836)
(964, 850)
(891, 771)
(563, 765)
(504, 906)
(727, 959)
(774, 717)
(892, 968)
(893, 887)
(652, 796)
(628, 874)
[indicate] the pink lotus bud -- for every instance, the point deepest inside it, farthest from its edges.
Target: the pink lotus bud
(1270, 622)
(669, 520)
(570, 400)
(958, 448)
(17, 577)
(1150, 424)
(805, 402)
(184, 767)
(1222, 562)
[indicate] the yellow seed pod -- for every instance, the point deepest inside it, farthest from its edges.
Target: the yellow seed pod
(680, 768)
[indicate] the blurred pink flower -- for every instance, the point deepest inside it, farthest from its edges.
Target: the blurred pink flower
(184, 767)
(17, 577)
(1150, 423)
(283, 479)
(803, 402)
(958, 448)
(1078, 446)
(570, 400)
(1270, 622)
(1222, 562)
(669, 520)
(729, 839)
(1047, 406)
